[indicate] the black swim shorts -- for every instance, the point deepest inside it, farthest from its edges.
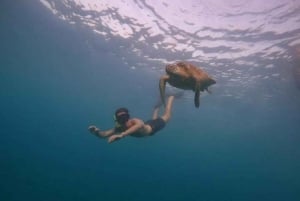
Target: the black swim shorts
(156, 124)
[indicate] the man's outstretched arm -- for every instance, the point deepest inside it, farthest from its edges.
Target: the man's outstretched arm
(133, 129)
(96, 131)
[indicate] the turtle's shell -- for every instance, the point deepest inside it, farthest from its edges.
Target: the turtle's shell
(184, 75)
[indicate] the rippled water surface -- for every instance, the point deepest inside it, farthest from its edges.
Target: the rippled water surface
(240, 42)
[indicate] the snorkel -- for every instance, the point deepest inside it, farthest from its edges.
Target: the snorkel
(121, 117)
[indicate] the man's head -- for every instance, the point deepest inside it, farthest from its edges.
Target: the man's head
(122, 115)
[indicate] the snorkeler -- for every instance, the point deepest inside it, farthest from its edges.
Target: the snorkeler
(126, 126)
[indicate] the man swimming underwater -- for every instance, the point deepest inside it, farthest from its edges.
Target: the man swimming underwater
(126, 126)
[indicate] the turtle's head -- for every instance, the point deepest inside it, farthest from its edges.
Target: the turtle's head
(211, 82)
(208, 83)
(173, 69)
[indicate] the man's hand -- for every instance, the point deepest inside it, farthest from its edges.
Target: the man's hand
(114, 138)
(94, 130)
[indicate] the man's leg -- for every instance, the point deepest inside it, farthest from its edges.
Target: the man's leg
(157, 106)
(167, 114)
(155, 112)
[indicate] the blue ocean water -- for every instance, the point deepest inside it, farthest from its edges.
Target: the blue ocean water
(54, 84)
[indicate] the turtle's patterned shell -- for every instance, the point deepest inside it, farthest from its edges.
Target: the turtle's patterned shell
(184, 75)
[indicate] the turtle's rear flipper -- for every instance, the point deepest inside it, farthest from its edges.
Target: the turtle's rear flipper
(197, 95)
(197, 99)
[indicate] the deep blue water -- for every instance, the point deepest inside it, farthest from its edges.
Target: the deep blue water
(53, 86)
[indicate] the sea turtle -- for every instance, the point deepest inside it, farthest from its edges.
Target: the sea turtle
(184, 75)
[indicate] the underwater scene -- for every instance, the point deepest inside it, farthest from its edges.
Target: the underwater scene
(68, 64)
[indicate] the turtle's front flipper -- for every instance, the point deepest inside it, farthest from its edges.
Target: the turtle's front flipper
(197, 95)
(208, 90)
(162, 86)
